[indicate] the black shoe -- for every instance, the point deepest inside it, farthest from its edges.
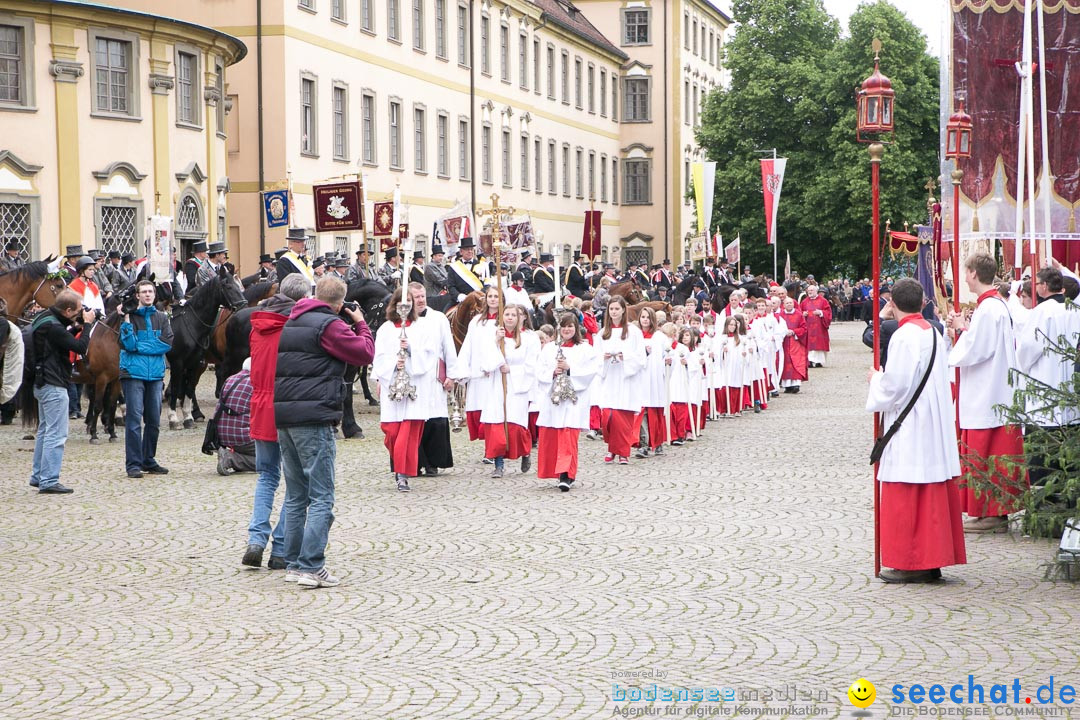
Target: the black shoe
(5, 421)
(276, 562)
(795, 390)
(564, 485)
(431, 471)
(526, 463)
(134, 474)
(56, 489)
(156, 470)
(33, 484)
(253, 556)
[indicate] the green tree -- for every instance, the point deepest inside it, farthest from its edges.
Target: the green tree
(793, 83)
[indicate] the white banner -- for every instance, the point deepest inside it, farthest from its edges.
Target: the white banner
(160, 244)
(772, 182)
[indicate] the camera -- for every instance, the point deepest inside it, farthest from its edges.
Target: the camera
(351, 305)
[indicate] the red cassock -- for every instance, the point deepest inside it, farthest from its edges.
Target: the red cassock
(617, 427)
(921, 525)
(402, 439)
(975, 447)
(557, 452)
(794, 347)
(817, 328)
(495, 437)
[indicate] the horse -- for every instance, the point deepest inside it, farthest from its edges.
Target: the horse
(99, 370)
(462, 314)
(684, 290)
(30, 282)
(193, 324)
(257, 292)
(634, 311)
(629, 291)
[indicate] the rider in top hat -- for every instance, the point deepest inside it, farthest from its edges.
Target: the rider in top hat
(465, 275)
(124, 274)
(390, 273)
(361, 269)
(416, 272)
(293, 260)
(340, 267)
(435, 280)
(543, 280)
(318, 267)
(215, 260)
(193, 265)
(11, 259)
(526, 269)
(663, 276)
(574, 280)
(73, 253)
(638, 275)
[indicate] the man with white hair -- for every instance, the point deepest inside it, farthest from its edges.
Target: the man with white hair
(818, 313)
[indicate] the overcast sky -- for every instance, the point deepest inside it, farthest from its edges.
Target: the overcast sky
(928, 15)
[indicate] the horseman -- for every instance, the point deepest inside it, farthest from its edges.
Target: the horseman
(214, 262)
(124, 274)
(84, 285)
(466, 273)
(638, 275)
(435, 278)
(74, 252)
(193, 265)
(11, 259)
(293, 260)
(710, 276)
(416, 272)
(390, 273)
(361, 269)
(526, 269)
(574, 279)
(543, 281)
(664, 277)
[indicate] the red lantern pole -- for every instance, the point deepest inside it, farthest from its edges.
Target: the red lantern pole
(957, 177)
(877, 151)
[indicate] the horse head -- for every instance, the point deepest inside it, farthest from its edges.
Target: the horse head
(231, 291)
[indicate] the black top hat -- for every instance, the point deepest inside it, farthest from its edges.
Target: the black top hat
(198, 247)
(577, 255)
(391, 253)
(95, 253)
(318, 262)
(667, 261)
(466, 242)
(525, 254)
(296, 234)
(418, 255)
(114, 254)
(12, 246)
(608, 266)
(216, 248)
(547, 257)
(265, 257)
(279, 253)
(437, 250)
(126, 258)
(341, 262)
(74, 251)
(362, 250)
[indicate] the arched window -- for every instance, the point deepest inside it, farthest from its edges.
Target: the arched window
(190, 222)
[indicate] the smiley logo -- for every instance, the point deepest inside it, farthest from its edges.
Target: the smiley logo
(862, 693)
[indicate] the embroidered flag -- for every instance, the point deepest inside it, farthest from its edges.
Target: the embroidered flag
(590, 236)
(772, 182)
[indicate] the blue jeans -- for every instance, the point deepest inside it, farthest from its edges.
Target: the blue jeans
(307, 454)
(74, 395)
(268, 466)
(143, 404)
(52, 434)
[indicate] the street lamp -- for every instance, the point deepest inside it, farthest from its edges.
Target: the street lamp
(874, 117)
(957, 146)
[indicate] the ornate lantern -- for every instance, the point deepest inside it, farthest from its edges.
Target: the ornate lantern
(875, 103)
(958, 134)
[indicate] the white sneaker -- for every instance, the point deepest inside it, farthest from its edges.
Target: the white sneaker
(292, 575)
(319, 579)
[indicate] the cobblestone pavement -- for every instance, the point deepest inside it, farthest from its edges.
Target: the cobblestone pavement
(743, 560)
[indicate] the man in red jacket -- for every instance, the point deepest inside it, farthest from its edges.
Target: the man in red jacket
(266, 325)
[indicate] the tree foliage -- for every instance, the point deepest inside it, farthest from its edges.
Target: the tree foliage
(793, 83)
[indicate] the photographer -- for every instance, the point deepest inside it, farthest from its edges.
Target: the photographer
(52, 340)
(145, 336)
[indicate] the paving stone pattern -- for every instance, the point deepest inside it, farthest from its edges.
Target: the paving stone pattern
(743, 560)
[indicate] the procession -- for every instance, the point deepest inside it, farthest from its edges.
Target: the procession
(539, 358)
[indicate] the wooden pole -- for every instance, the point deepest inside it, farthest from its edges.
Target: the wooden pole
(877, 152)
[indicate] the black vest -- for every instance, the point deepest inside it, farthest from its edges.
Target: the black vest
(309, 385)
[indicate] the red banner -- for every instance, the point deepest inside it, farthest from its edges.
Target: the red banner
(383, 224)
(339, 206)
(590, 236)
(772, 182)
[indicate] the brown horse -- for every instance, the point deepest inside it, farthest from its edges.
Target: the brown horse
(99, 370)
(629, 291)
(633, 311)
(461, 314)
(31, 282)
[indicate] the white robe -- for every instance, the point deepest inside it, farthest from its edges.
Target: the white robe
(438, 328)
(924, 450)
(1049, 319)
(985, 352)
(521, 359)
(619, 387)
(584, 365)
(679, 379)
(732, 360)
(652, 376)
(421, 364)
(467, 369)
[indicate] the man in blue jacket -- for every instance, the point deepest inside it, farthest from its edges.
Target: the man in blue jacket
(145, 336)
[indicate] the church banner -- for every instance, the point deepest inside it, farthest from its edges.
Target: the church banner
(772, 182)
(590, 236)
(339, 206)
(276, 205)
(704, 176)
(160, 250)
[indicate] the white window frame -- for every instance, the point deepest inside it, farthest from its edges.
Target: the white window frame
(396, 138)
(393, 21)
(485, 154)
(507, 160)
(310, 147)
(341, 144)
(485, 44)
(440, 29)
(419, 139)
(369, 125)
(463, 34)
(442, 144)
(464, 144)
(419, 39)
